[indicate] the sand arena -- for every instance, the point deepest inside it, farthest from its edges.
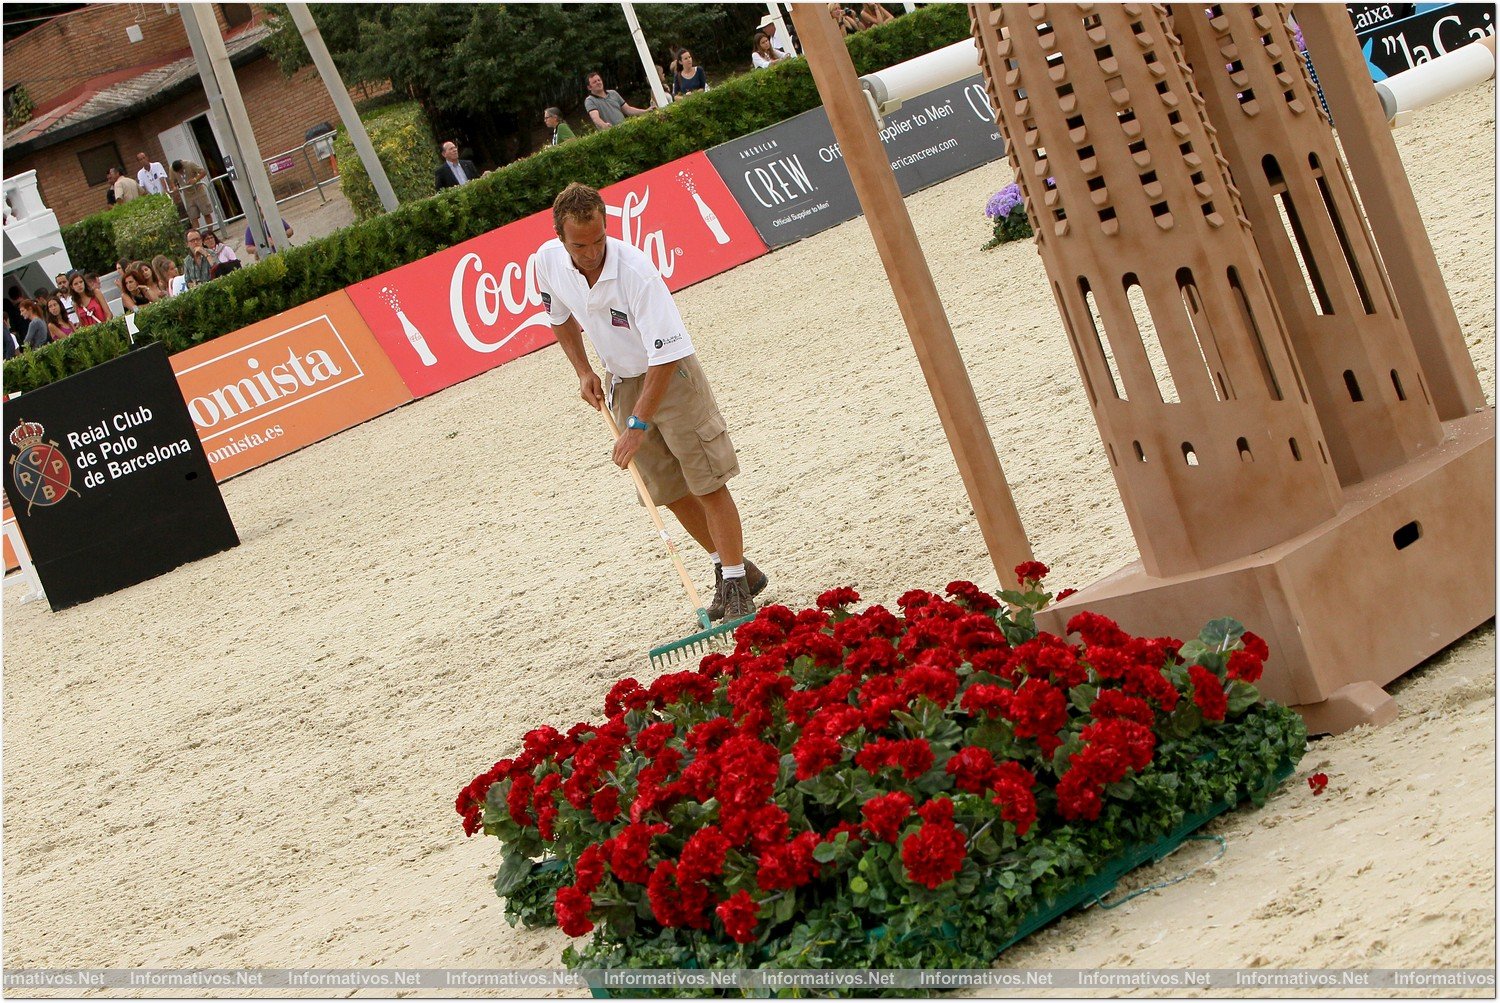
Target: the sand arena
(251, 761)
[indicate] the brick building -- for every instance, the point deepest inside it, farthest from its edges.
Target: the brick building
(112, 79)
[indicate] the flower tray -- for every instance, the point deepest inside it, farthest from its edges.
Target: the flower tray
(1088, 891)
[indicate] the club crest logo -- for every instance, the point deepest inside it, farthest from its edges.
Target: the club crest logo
(40, 472)
(617, 318)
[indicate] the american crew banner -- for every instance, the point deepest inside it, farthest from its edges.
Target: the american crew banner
(791, 180)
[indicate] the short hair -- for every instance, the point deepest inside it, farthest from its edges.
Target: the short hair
(591, 74)
(176, 165)
(553, 112)
(577, 202)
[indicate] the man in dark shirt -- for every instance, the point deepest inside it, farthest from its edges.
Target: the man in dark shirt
(453, 172)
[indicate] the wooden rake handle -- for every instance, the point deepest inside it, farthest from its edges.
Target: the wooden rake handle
(661, 528)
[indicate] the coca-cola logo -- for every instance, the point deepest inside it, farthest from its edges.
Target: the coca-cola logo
(480, 297)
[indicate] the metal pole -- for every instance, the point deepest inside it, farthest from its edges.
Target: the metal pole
(657, 94)
(272, 237)
(911, 281)
(316, 48)
(221, 124)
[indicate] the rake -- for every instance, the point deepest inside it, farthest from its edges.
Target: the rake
(697, 643)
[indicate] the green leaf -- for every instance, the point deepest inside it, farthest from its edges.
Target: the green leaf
(1222, 634)
(825, 853)
(1192, 650)
(1083, 696)
(786, 906)
(514, 869)
(1242, 696)
(858, 885)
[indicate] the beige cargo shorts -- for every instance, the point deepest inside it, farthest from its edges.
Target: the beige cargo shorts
(687, 449)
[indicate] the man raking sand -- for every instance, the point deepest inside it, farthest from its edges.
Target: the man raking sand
(595, 284)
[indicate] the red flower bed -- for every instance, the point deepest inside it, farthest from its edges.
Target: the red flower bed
(835, 751)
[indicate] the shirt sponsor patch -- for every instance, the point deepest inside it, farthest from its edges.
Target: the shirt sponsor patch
(547, 300)
(617, 318)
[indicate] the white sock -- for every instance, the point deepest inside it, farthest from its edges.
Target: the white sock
(714, 557)
(734, 571)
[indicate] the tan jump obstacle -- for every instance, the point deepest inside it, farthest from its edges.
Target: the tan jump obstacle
(1294, 424)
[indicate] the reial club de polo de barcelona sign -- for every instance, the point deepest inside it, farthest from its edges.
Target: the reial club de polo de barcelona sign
(109, 481)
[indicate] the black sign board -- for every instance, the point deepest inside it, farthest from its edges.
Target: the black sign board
(791, 180)
(1397, 46)
(108, 479)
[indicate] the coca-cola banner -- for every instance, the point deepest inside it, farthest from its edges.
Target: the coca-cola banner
(791, 180)
(474, 306)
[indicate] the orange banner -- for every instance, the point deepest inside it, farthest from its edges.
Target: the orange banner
(269, 389)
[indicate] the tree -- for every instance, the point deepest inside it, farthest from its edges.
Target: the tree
(483, 73)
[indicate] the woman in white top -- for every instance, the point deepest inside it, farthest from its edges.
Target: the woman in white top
(765, 52)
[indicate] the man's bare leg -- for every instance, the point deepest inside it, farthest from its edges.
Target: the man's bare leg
(724, 525)
(689, 511)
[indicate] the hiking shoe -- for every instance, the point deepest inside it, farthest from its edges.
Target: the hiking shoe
(738, 603)
(753, 575)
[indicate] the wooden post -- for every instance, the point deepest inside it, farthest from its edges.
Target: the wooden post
(1392, 210)
(916, 294)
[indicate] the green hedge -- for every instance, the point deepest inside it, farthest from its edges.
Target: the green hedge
(403, 142)
(147, 227)
(149, 224)
(415, 230)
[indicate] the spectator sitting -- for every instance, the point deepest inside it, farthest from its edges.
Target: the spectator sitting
(453, 172)
(58, 324)
(132, 295)
(124, 188)
(561, 131)
(86, 299)
(844, 18)
(689, 76)
(763, 51)
(871, 14)
(249, 241)
(198, 266)
(605, 107)
(222, 255)
(152, 283)
(166, 274)
(37, 334)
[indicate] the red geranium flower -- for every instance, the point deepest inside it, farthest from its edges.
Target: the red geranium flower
(1097, 630)
(838, 598)
(1066, 594)
(1012, 784)
(1030, 571)
(933, 854)
(1208, 693)
(987, 699)
(589, 870)
(627, 694)
(789, 865)
(972, 596)
(884, 815)
(1255, 645)
(703, 855)
(912, 755)
(606, 804)
(651, 739)
(1318, 782)
(972, 768)
(1244, 666)
(572, 907)
(738, 914)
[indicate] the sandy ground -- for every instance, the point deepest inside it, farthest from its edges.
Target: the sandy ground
(251, 761)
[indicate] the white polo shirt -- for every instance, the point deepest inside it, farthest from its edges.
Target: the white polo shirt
(152, 178)
(628, 315)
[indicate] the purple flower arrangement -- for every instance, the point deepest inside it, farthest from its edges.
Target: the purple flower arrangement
(1006, 211)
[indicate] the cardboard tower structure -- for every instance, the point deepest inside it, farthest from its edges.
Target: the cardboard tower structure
(1290, 413)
